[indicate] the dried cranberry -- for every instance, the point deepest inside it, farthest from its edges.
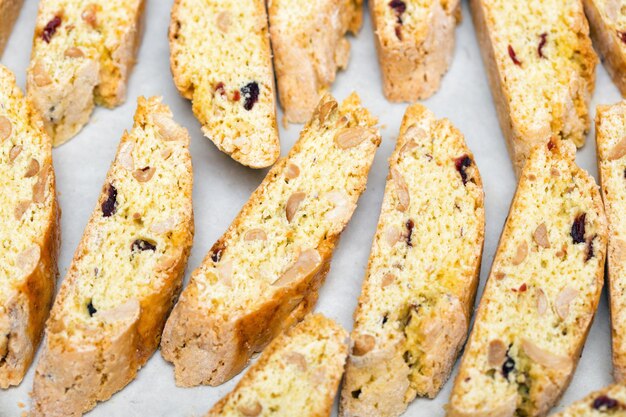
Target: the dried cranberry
(110, 204)
(50, 29)
(551, 144)
(590, 253)
(356, 394)
(398, 30)
(604, 402)
(578, 228)
(398, 6)
(523, 288)
(508, 366)
(513, 56)
(409, 227)
(236, 96)
(219, 88)
(621, 35)
(216, 252)
(91, 309)
(461, 163)
(250, 93)
(142, 245)
(542, 42)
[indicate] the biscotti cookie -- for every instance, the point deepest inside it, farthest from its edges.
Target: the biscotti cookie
(415, 43)
(607, 20)
(126, 273)
(610, 134)
(263, 274)
(83, 52)
(29, 234)
(415, 308)
(221, 60)
(309, 43)
(541, 68)
(9, 10)
(541, 295)
(297, 375)
(608, 401)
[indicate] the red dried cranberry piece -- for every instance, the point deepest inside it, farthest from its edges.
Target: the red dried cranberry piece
(50, 29)
(578, 228)
(91, 309)
(219, 88)
(250, 94)
(508, 366)
(216, 251)
(409, 227)
(604, 402)
(551, 144)
(542, 42)
(141, 245)
(514, 56)
(523, 288)
(236, 96)
(110, 204)
(590, 253)
(398, 30)
(461, 163)
(621, 35)
(398, 6)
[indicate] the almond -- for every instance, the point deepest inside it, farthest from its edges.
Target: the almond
(166, 127)
(618, 150)
(39, 188)
(351, 137)
(325, 110)
(408, 147)
(388, 279)
(166, 153)
(255, 234)
(5, 128)
(520, 253)
(293, 203)
(415, 132)
(224, 20)
(496, 353)
(541, 236)
(563, 300)
(225, 272)
(144, 174)
(125, 156)
(402, 190)
(342, 206)
(297, 359)
(363, 343)
(392, 235)
(250, 410)
(40, 75)
(14, 152)
(544, 357)
(32, 169)
(306, 264)
(73, 52)
(542, 301)
(21, 208)
(28, 259)
(89, 15)
(166, 263)
(292, 171)
(164, 226)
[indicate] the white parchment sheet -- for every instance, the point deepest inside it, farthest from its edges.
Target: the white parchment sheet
(221, 187)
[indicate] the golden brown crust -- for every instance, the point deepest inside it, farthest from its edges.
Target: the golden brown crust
(9, 10)
(109, 357)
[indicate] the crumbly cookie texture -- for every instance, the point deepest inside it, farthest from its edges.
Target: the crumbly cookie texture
(30, 236)
(297, 375)
(609, 401)
(222, 61)
(126, 273)
(306, 58)
(541, 295)
(83, 52)
(9, 10)
(415, 307)
(607, 20)
(415, 44)
(263, 275)
(541, 68)
(611, 151)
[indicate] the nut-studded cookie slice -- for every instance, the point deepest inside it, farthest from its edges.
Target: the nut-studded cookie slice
(83, 52)
(263, 274)
(29, 217)
(310, 45)
(221, 60)
(415, 44)
(541, 68)
(126, 273)
(297, 375)
(9, 10)
(418, 295)
(611, 146)
(542, 292)
(608, 401)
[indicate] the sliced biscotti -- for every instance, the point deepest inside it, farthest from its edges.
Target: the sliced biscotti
(263, 274)
(415, 308)
(83, 52)
(297, 375)
(126, 273)
(415, 44)
(221, 60)
(29, 213)
(541, 295)
(541, 68)
(608, 401)
(309, 43)
(607, 20)
(611, 146)
(9, 10)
